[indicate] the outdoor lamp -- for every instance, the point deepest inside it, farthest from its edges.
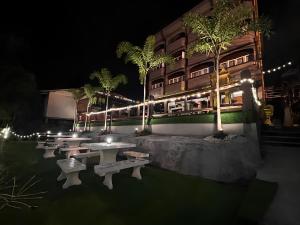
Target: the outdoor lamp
(59, 133)
(136, 129)
(74, 135)
(48, 132)
(108, 140)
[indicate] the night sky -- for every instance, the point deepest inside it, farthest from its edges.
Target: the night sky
(63, 43)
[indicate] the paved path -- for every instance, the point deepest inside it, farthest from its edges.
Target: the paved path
(282, 165)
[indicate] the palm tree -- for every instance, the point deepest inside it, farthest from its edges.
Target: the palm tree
(216, 32)
(90, 93)
(145, 58)
(77, 93)
(109, 83)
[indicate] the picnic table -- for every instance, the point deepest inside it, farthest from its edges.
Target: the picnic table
(71, 142)
(108, 152)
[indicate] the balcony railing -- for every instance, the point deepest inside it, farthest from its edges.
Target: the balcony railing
(200, 81)
(157, 92)
(179, 64)
(174, 88)
(179, 43)
(159, 72)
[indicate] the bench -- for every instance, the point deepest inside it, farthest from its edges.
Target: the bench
(133, 154)
(86, 155)
(49, 151)
(108, 169)
(70, 169)
(40, 144)
(70, 151)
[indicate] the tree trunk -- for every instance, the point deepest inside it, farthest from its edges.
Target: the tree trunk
(75, 116)
(105, 117)
(219, 122)
(144, 102)
(86, 116)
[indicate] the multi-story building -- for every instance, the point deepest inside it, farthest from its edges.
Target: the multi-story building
(188, 86)
(191, 75)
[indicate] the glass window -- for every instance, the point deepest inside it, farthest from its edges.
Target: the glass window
(231, 63)
(237, 97)
(239, 60)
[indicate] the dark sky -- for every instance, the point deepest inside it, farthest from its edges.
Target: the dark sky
(63, 43)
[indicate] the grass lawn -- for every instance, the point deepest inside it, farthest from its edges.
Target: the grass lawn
(162, 197)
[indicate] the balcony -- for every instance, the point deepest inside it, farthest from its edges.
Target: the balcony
(157, 92)
(235, 71)
(179, 64)
(179, 43)
(174, 88)
(156, 73)
(198, 82)
(197, 58)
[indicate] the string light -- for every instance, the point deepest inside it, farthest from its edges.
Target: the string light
(18, 135)
(277, 68)
(198, 94)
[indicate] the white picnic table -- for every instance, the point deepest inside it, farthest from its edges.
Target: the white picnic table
(59, 136)
(108, 152)
(71, 142)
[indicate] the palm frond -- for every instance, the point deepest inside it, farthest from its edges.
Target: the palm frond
(228, 20)
(117, 80)
(148, 49)
(107, 81)
(159, 59)
(123, 47)
(77, 93)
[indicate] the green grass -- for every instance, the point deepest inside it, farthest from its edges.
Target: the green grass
(162, 197)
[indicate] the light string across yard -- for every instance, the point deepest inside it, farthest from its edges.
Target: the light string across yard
(277, 68)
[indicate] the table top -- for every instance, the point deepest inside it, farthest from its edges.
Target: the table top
(74, 139)
(58, 136)
(104, 146)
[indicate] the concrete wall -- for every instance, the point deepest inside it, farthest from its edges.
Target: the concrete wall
(199, 129)
(60, 105)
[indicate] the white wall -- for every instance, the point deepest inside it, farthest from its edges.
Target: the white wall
(60, 105)
(201, 129)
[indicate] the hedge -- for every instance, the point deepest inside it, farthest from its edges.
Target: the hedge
(227, 118)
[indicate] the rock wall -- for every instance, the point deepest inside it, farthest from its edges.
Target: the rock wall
(221, 160)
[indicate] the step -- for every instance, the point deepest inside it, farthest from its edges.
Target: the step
(281, 143)
(273, 136)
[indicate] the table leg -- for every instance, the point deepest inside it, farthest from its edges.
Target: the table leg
(137, 172)
(61, 176)
(72, 179)
(108, 181)
(49, 153)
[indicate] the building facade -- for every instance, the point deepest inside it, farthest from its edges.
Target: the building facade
(195, 74)
(188, 86)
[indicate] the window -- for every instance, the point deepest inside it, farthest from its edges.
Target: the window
(157, 85)
(200, 72)
(239, 61)
(175, 80)
(223, 65)
(179, 55)
(235, 62)
(231, 63)
(236, 97)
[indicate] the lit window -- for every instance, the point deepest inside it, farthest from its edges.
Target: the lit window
(175, 80)
(200, 72)
(235, 62)
(239, 60)
(157, 85)
(231, 63)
